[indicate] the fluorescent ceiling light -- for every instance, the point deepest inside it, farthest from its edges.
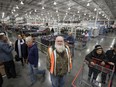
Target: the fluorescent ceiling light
(57, 11)
(102, 14)
(55, 3)
(69, 8)
(95, 9)
(14, 10)
(16, 15)
(78, 12)
(99, 12)
(3, 14)
(17, 7)
(88, 4)
(35, 10)
(85, 14)
(43, 7)
(21, 3)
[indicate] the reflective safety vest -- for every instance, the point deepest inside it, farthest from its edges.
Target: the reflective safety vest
(53, 58)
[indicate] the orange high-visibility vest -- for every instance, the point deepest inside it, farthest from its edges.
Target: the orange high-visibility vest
(52, 55)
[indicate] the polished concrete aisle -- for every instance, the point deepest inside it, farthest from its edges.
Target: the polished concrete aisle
(23, 75)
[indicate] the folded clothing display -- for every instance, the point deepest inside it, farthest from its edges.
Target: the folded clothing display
(48, 40)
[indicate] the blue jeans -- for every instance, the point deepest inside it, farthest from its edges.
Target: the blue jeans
(57, 81)
(72, 51)
(33, 72)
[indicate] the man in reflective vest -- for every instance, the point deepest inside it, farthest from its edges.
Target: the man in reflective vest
(60, 62)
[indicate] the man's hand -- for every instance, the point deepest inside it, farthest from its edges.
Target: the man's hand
(92, 63)
(111, 63)
(102, 63)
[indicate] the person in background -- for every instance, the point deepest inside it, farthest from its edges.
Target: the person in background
(24, 49)
(52, 30)
(59, 62)
(85, 38)
(98, 54)
(33, 58)
(19, 48)
(6, 57)
(1, 80)
(70, 41)
(111, 56)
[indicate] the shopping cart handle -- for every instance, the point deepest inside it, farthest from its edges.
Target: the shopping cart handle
(86, 62)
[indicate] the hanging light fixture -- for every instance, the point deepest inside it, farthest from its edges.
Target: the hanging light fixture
(95, 9)
(88, 4)
(56, 11)
(14, 10)
(3, 14)
(78, 12)
(43, 7)
(100, 12)
(35, 10)
(30, 12)
(21, 3)
(55, 3)
(17, 7)
(69, 8)
(85, 14)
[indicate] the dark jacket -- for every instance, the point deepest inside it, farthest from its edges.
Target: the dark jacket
(33, 55)
(111, 56)
(24, 48)
(5, 52)
(93, 54)
(71, 40)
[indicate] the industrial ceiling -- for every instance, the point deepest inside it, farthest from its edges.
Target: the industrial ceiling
(59, 9)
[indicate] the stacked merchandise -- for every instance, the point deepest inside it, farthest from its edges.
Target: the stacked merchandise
(35, 33)
(47, 41)
(64, 30)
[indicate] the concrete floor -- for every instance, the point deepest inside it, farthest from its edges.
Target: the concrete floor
(23, 77)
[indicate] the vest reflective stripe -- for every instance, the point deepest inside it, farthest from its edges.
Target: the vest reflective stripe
(69, 57)
(55, 58)
(51, 54)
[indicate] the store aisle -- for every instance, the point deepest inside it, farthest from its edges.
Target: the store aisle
(23, 76)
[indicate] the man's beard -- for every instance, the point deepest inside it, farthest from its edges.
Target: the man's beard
(60, 48)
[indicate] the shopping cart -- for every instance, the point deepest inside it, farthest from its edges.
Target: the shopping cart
(81, 78)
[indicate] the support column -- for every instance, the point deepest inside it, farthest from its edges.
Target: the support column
(96, 17)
